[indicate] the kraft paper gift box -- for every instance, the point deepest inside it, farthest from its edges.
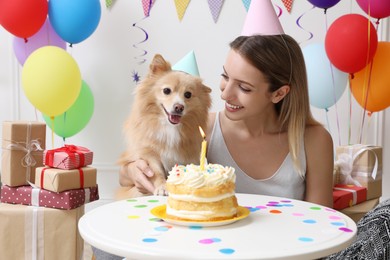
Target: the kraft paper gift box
(361, 165)
(68, 157)
(358, 211)
(23, 143)
(59, 180)
(348, 195)
(29, 232)
(28, 195)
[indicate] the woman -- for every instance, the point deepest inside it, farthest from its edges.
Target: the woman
(266, 131)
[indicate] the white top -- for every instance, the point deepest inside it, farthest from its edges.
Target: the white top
(285, 182)
(276, 228)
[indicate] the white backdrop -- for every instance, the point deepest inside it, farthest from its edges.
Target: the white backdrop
(111, 54)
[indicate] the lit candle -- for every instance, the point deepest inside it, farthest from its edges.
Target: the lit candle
(203, 152)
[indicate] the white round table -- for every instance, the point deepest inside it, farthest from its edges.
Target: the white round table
(276, 228)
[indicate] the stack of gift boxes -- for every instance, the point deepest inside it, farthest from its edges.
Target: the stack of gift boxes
(357, 179)
(43, 194)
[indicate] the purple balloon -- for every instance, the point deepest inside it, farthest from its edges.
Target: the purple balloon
(325, 4)
(46, 36)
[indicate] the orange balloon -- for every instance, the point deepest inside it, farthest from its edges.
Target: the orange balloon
(371, 86)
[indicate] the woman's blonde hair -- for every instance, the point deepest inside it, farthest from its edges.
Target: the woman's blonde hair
(280, 59)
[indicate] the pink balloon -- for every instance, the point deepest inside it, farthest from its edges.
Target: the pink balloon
(375, 8)
(46, 36)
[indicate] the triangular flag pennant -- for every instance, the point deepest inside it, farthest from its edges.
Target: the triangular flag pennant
(262, 19)
(181, 7)
(109, 3)
(215, 8)
(246, 3)
(147, 5)
(288, 4)
(187, 64)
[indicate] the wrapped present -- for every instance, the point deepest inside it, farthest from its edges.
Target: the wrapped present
(348, 195)
(29, 232)
(28, 195)
(358, 211)
(361, 165)
(68, 157)
(59, 180)
(23, 143)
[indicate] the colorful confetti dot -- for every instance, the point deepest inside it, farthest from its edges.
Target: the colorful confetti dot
(260, 207)
(149, 240)
(156, 219)
(334, 217)
(315, 208)
(131, 200)
(345, 229)
(227, 251)
(195, 227)
(163, 228)
(209, 240)
(305, 239)
(140, 206)
(337, 223)
(133, 217)
(309, 221)
(298, 214)
(153, 201)
(275, 211)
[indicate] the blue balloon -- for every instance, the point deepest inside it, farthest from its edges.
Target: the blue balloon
(326, 83)
(74, 20)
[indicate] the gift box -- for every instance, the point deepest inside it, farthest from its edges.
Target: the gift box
(23, 144)
(29, 232)
(348, 195)
(358, 211)
(28, 195)
(59, 180)
(361, 165)
(68, 157)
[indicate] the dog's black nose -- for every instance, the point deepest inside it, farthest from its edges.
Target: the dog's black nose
(179, 108)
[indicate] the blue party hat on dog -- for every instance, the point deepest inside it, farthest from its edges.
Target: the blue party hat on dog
(187, 64)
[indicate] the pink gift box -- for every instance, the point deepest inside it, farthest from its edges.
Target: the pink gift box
(68, 157)
(28, 195)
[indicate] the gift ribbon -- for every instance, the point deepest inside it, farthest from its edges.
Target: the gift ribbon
(81, 174)
(31, 146)
(70, 150)
(346, 160)
(34, 234)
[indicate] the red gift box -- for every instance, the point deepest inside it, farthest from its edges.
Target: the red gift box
(68, 157)
(345, 196)
(28, 195)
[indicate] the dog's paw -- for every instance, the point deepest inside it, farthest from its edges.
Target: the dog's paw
(160, 191)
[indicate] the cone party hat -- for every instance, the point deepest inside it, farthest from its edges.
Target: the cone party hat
(187, 64)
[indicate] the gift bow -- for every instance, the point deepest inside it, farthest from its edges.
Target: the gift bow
(32, 146)
(71, 150)
(346, 160)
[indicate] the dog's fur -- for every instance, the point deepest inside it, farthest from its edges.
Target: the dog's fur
(163, 125)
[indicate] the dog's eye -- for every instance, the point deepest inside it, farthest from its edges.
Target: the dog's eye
(167, 91)
(187, 95)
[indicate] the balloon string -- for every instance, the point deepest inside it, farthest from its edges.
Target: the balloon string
(311, 35)
(350, 108)
(52, 131)
(63, 138)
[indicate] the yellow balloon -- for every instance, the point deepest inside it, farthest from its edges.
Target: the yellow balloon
(51, 80)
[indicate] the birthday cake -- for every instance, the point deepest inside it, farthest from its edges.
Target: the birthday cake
(201, 195)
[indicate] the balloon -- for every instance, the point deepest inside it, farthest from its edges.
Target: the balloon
(46, 36)
(76, 117)
(74, 20)
(377, 82)
(325, 4)
(51, 80)
(326, 83)
(375, 8)
(23, 18)
(351, 42)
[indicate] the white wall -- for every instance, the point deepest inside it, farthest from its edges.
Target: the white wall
(108, 57)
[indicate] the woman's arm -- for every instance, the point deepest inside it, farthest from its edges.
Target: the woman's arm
(137, 173)
(319, 163)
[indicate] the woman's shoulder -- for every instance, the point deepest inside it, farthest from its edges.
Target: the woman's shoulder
(317, 137)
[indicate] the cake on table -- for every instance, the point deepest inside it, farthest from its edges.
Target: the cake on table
(201, 195)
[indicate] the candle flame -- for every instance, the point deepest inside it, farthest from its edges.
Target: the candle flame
(202, 132)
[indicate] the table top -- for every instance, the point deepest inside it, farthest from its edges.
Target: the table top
(276, 228)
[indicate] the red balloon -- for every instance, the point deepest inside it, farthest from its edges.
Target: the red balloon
(23, 18)
(351, 42)
(375, 8)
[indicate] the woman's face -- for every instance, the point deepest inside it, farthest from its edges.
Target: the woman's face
(244, 89)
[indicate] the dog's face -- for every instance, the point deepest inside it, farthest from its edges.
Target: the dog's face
(176, 94)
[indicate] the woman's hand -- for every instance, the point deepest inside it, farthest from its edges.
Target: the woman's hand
(137, 173)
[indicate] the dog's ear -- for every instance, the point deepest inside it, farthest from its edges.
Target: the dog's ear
(206, 88)
(159, 65)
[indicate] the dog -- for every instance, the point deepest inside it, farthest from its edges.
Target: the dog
(163, 125)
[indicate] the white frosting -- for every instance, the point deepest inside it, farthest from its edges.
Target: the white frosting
(188, 197)
(191, 175)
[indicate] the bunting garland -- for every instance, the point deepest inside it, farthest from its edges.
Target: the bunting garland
(288, 4)
(215, 8)
(246, 3)
(109, 3)
(181, 7)
(147, 5)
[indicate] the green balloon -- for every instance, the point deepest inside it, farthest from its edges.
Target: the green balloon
(76, 117)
